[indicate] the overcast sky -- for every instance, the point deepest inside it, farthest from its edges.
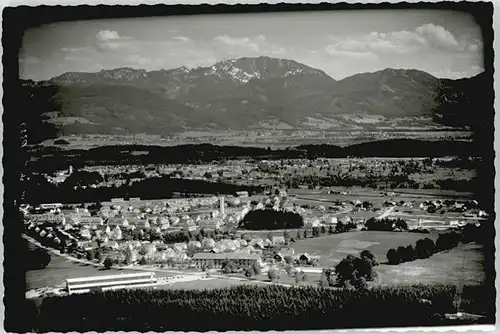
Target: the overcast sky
(445, 44)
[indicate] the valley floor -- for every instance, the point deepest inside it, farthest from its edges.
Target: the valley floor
(273, 138)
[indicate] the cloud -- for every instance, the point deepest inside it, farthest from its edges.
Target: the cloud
(106, 35)
(30, 60)
(247, 46)
(70, 50)
(110, 40)
(334, 51)
(278, 52)
(139, 60)
(452, 74)
(244, 42)
(427, 37)
(473, 48)
(437, 36)
(182, 39)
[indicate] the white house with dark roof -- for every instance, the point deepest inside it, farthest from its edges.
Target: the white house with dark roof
(278, 240)
(242, 193)
(85, 233)
(180, 246)
(117, 221)
(93, 220)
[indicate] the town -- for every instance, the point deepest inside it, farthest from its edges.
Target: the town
(258, 237)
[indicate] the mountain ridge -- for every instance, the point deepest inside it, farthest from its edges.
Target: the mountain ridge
(258, 92)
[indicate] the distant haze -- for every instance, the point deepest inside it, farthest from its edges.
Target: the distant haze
(443, 43)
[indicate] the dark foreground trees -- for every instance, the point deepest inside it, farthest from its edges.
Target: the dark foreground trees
(253, 308)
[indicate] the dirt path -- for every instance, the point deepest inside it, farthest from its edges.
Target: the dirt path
(386, 213)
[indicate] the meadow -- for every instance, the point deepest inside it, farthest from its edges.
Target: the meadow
(61, 269)
(335, 247)
(376, 196)
(460, 265)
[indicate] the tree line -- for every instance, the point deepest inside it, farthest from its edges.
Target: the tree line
(386, 224)
(39, 190)
(267, 219)
(51, 159)
(425, 248)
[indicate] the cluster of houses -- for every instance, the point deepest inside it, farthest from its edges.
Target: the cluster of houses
(172, 215)
(454, 206)
(54, 235)
(89, 233)
(108, 226)
(60, 176)
(231, 170)
(195, 253)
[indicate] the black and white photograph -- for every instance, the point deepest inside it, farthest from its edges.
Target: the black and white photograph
(248, 168)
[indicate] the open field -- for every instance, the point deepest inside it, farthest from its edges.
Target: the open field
(461, 265)
(312, 279)
(335, 247)
(373, 195)
(60, 269)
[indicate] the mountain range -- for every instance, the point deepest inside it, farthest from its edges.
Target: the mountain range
(248, 93)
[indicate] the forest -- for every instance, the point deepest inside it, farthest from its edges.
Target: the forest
(268, 219)
(50, 159)
(259, 308)
(38, 190)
